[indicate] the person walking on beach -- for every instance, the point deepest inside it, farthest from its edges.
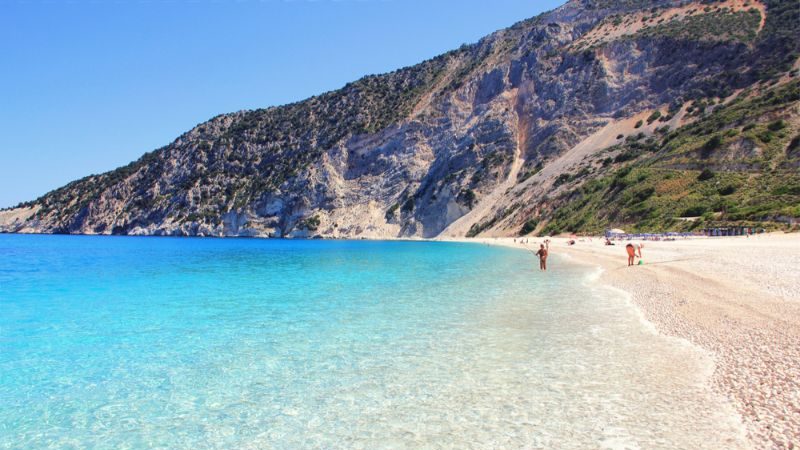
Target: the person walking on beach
(631, 253)
(542, 254)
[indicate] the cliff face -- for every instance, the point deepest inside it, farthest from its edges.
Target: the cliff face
(498, 137)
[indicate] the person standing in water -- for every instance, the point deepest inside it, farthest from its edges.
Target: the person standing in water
(542, 254)
(631, 253)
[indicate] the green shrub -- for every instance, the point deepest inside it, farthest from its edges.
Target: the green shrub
(551, 229)
(563, 178)
(638, 124)
(644, 194)
(713, 143)
(794, 144)
(469, 197)
(311, 223)
(622, 173)
(653, 117)
(694, 211)
(787, 190)
(777, 125)
(626, 156)
(706, 174)
(529, 226)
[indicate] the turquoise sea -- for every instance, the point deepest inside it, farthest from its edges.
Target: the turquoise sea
(177, 343)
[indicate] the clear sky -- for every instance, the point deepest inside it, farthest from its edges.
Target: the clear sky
(89, 85)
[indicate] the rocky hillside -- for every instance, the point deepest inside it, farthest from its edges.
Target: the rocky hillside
(629, 113)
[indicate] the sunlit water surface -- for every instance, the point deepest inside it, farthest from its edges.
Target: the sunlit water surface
(115, 342)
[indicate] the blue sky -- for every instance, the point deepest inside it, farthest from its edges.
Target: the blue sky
(89, 85)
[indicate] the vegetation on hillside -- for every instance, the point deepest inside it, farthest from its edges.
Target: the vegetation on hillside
(713, 25)
(737, 165)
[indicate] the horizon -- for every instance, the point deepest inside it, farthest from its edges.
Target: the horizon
(96, 86)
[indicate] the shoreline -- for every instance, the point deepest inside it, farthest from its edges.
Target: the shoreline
(736, 298)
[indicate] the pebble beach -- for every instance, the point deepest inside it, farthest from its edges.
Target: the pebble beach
(738, 298)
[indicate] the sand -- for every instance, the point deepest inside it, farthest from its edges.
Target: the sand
(737, 297)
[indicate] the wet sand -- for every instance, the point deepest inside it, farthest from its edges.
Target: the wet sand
(736, 297)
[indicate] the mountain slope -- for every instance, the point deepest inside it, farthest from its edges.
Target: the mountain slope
(511, 134)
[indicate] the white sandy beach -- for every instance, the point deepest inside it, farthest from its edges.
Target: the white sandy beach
(736, 297)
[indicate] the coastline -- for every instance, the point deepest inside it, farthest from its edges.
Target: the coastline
(737, 298)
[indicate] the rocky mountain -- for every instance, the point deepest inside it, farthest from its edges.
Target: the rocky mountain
(651, 115)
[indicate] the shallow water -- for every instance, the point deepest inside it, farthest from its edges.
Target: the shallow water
(118, 342)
